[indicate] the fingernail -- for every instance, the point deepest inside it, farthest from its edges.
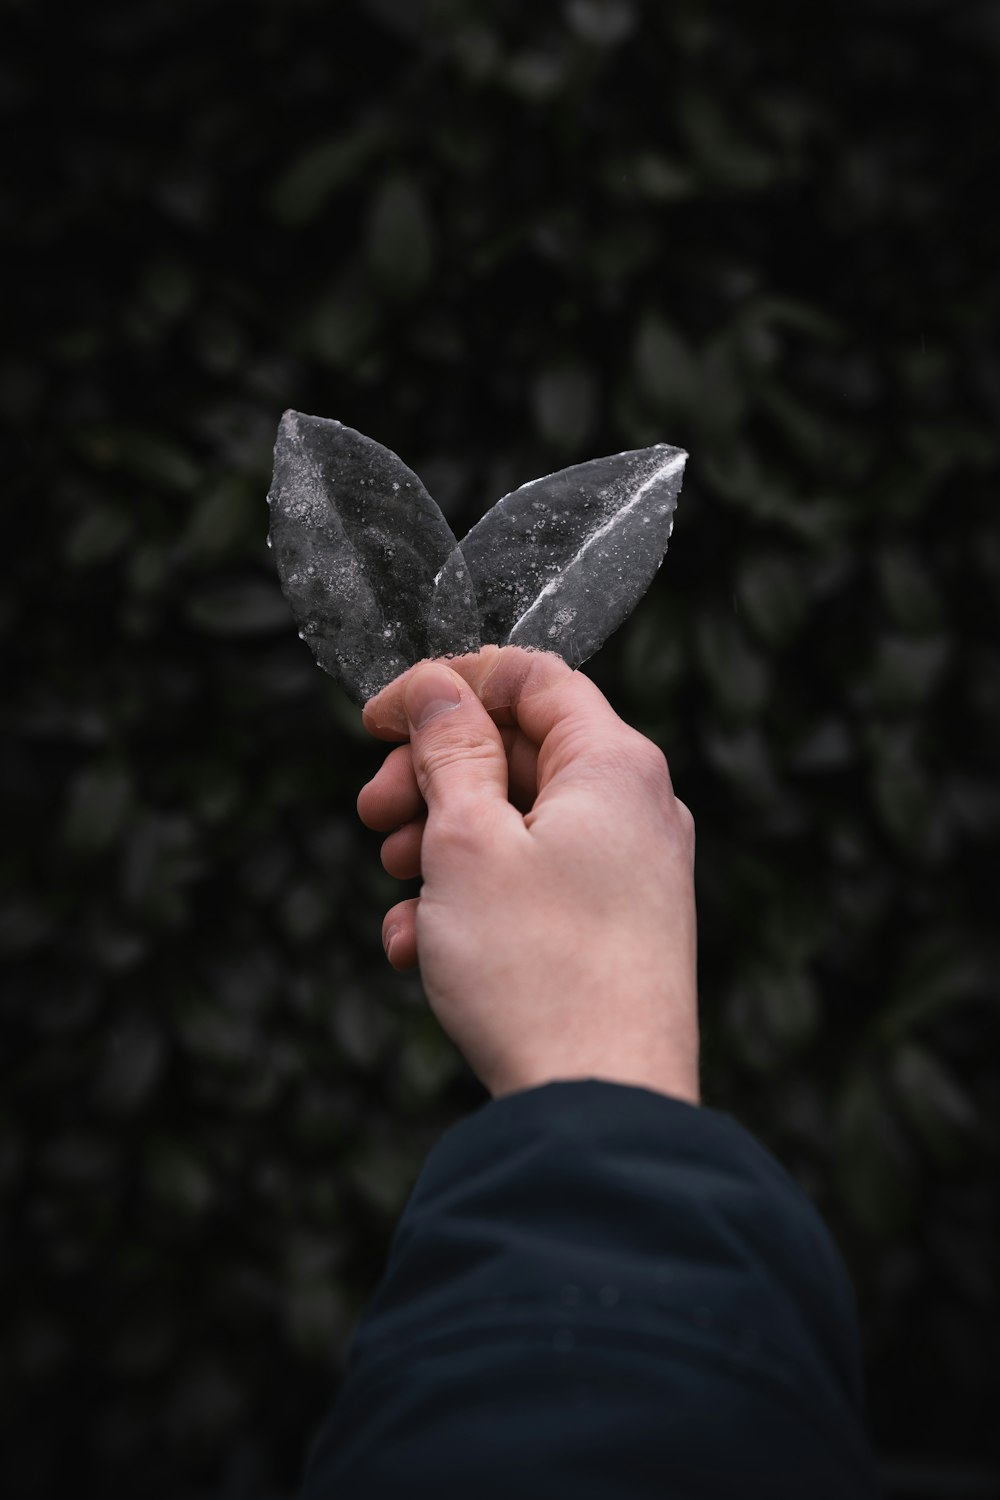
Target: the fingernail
(430, 693)
(390, 938)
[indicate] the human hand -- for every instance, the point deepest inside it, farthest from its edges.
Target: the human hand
(555, 927)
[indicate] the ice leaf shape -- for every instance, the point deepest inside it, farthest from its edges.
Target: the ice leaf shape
(366, 560)
(559, 563)
(377, 581)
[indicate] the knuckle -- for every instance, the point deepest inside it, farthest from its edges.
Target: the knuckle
(653, 759)
(648, 765)
(686, 825)
(462, 749)
(463, 828)
(647, 762)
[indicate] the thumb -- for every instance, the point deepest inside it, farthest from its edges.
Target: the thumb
(457, 752)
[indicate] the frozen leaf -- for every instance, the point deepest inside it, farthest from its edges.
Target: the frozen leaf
(366, 559)
(377, 581)
(559, 563)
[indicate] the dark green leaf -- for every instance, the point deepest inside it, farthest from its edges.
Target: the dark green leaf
(169, 287)
(220, 519)
(98, 535)
(910, 591)
(312, 179)
(939, 971)
(905, 671)
(340, 328)
(239, 609)
(565, 401)
(179, 1178)
(875, 1168)
(605, 23)
(737, 674)
(401, 237)
(933, 1101)
(772, 594)
(790, 1003)
(100, 801)
(148, 457)
(666, 369)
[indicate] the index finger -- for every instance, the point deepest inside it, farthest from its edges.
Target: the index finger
(529, 690)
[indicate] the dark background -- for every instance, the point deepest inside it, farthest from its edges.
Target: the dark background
(499, 238)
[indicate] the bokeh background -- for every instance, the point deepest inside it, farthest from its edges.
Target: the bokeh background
(499, 238)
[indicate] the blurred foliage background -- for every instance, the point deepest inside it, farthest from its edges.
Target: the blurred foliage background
(499, 238)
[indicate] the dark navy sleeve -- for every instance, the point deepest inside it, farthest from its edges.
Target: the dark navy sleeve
(599, 1292)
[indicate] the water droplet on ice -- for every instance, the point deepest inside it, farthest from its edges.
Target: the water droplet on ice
(269, 542)
(302, 635)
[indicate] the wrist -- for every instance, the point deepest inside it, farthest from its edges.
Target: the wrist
(676, 1081)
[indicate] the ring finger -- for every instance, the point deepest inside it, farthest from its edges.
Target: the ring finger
(401, 850)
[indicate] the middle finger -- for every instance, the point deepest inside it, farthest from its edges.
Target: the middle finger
(392, 797)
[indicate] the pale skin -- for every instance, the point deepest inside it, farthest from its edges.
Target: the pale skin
(555, 928)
